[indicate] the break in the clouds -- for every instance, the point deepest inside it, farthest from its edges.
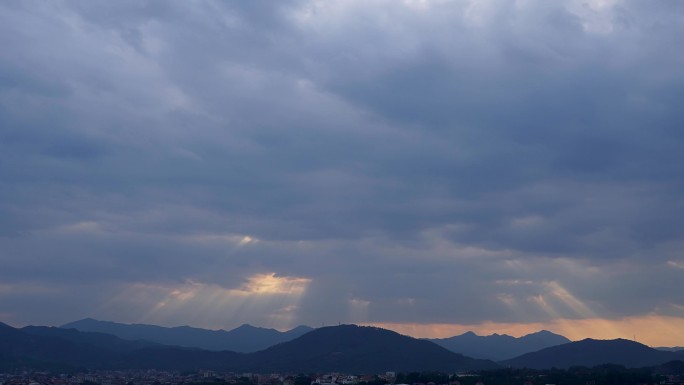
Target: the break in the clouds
(416, 162)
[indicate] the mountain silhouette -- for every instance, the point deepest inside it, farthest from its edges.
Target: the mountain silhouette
(671, 348)
(590, 352)
(39, 350)
(345, 348)
(361, 349)
(245, 338)
(100, 340)
(499, 347)
(670, 368)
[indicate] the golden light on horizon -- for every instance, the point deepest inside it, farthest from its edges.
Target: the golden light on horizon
(652, 330)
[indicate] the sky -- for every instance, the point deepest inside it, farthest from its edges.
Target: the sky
(427, 166)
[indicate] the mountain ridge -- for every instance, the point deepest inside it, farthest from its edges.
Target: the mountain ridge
(243, 339)
(344, 348)
(499, 347)
(592, 352)
(353, 348)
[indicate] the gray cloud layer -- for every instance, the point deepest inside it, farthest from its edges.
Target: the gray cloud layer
(412, 161)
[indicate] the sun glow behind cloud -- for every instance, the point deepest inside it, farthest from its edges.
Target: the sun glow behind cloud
(273, 298)
(272, 284)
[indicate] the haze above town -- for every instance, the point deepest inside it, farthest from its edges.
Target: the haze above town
(430, 167)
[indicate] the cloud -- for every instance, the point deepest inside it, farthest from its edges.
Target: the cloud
(407, 162)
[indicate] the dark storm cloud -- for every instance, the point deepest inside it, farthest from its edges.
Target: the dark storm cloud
(412, 162)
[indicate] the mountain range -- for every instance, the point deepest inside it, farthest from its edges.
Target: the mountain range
(243, 339)
(499, 347)
(344, 348)
(247, 338)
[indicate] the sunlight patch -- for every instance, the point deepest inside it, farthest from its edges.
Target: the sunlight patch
(84, 227)
(265, 299)
(233, 239)
(596, 16)
(579, 307)
(272, 284)
(506, 299)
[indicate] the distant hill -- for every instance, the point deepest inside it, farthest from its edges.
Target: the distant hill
(671, 349)
(44, 350)
(345, 348)
(361, 349)
(590, 352)
(499, 347)
(39, 347)
(245, 338)
(100, 340)
(670, 368)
